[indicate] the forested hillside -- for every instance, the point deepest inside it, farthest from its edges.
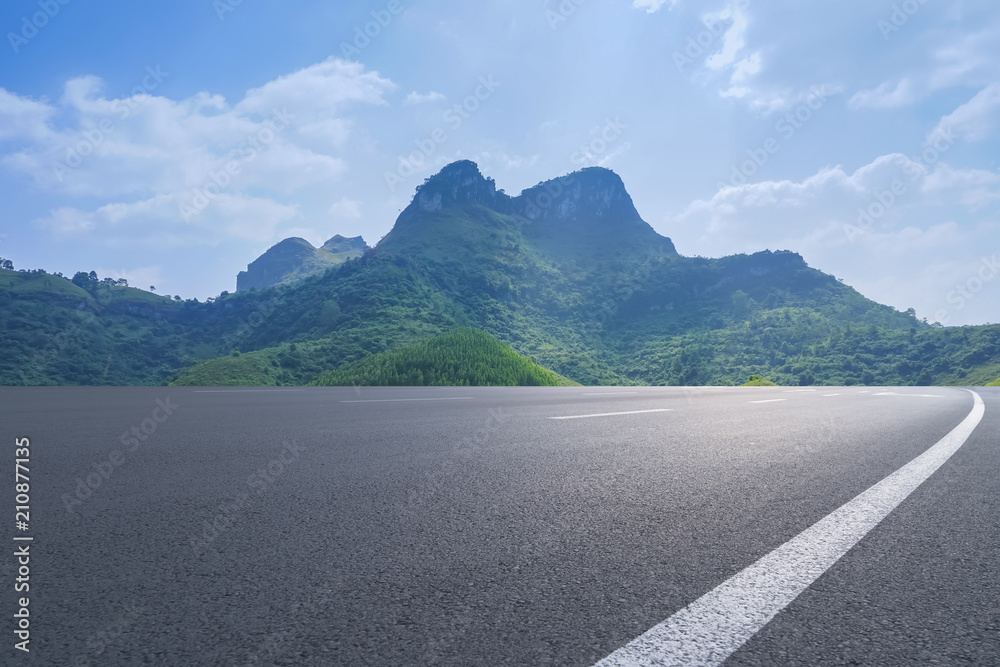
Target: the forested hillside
(465, 357)
(567, 273)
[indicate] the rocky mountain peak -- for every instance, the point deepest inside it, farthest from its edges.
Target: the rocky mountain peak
(459, 182)
(594, 192)
(339, 244)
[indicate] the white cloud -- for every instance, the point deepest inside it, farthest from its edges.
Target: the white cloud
(974, 189)
(651, 6)
(733, 40)
(147, 157)
(318, 91)
(154, 221)
(886, 96)
(854, 226)
(736, 68)
(974, 120)
(970, 59)
(418, 98)
(22, 118)
(938, 60)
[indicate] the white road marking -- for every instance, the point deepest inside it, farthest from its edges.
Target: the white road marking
(612, 414)
(244, 391)
(773, 400)
(402, 400)
(714, 626)
(612, 393)
(892, 393)
(831, 394)
(798, 391)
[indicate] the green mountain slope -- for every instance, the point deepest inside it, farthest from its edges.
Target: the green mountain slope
(566, 273)
(995, 383)
(56, 332)
(465, 357)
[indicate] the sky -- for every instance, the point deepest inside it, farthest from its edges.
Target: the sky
(173, 143)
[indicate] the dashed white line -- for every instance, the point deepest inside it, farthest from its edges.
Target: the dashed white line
(831, 394)
(613, 414)
(714, 626)
(798, 391)
(772, 400)
(404, 400)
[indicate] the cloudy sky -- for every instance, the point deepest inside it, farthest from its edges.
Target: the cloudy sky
(172, 143)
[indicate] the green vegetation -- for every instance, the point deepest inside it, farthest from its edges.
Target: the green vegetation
(600, 298)
(232, 371)
(465, 357)
(758, 381)
(995, 383)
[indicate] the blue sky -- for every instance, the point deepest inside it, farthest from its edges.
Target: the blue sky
(863, 135)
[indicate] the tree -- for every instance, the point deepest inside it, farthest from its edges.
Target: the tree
(152, 288)
(6, 264)
(84, 280)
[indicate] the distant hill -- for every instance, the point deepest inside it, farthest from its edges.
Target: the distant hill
(566, 273)
(295, 258)
(465, 357)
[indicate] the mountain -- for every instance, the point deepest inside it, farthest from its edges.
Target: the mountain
(295, 258)
(566, 273)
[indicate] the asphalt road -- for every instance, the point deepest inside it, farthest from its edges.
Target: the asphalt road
(460, 526)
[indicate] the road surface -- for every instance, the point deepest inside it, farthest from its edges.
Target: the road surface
(528, 526)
